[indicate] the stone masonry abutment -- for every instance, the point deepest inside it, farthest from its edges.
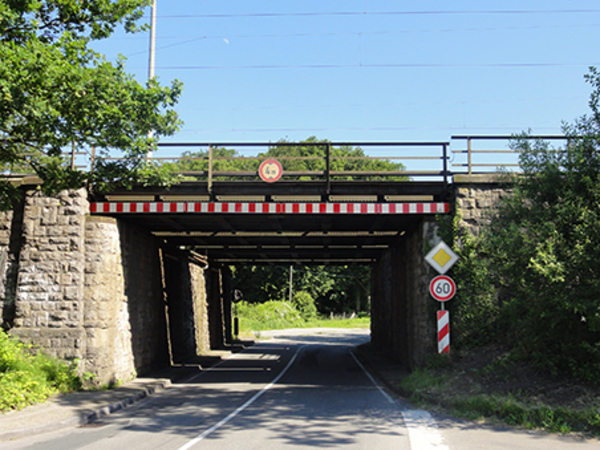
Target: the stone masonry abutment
(402, 312)
(403, 318)
(98, 289)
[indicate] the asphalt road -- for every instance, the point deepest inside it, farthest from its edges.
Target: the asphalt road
(293, 391)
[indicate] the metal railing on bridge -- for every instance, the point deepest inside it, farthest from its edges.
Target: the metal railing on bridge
(313, 160)
(490, 153)
(330, 161)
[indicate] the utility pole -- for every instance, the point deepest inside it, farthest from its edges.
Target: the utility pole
(291, 280)
(152, 41)
(152, 58)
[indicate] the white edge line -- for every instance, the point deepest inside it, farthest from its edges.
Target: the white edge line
(243, 407)
(375, 383)
(421, 427)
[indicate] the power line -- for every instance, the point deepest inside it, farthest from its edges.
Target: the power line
(378, 13)
(380, 66)
(188, 40)
(313, 106)
(391, 128)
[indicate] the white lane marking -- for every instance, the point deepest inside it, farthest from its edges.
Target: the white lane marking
(423, 433)
(375, 383)
(422, 430)
(243, 407)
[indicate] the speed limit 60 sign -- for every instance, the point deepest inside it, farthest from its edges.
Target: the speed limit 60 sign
(442, 288)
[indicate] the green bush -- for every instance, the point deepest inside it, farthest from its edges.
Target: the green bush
(268, 316)
(305, 304)
(531, 279)
(27, 378)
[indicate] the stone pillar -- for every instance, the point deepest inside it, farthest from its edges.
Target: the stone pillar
(227, 280)
(216, 308)
(125, 319)
(109, 342)
(11, 230)
(402, 317)
(200, 306)
(186, 300)
(49, 296)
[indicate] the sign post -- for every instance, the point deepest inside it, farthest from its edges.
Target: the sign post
(442, 288)
(236, 297)
(443, 327)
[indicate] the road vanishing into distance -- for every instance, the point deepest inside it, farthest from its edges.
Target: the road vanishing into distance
(296, 390)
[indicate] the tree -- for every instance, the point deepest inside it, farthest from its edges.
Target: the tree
(334, 288)
(544, 245)
(56, 92)
(306, 156)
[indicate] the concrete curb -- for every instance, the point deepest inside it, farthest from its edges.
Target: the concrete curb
(116, 406)
(84, 416)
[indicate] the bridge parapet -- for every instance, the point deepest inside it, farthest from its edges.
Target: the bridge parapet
(476, 196)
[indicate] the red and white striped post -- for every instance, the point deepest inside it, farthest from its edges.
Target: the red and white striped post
(443, 326)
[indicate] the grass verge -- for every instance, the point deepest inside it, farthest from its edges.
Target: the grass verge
(506, 392)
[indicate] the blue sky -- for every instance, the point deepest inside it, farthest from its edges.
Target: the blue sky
(359, 70)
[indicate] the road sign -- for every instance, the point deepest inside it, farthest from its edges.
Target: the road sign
(441, 258)
(270, 170)
(442, 288)
(237, 296)
(443, 326)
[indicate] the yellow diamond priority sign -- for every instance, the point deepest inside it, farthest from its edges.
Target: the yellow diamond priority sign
(441, 258)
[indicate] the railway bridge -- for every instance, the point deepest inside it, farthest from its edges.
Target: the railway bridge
(138, 278)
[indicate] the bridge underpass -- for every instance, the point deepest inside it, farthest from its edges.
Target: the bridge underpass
(84, 274)
(386, 231)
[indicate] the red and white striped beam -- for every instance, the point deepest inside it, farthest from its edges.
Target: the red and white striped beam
(443, 326)
(266, 208)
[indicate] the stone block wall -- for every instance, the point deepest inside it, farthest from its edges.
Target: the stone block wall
(476, 196)
(49, 295)
(92, 288)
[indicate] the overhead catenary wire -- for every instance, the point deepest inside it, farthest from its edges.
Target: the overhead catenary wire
(381, 66)
(381, 13)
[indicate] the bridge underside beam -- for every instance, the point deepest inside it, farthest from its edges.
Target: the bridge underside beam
(320, 233)
(428, 191)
